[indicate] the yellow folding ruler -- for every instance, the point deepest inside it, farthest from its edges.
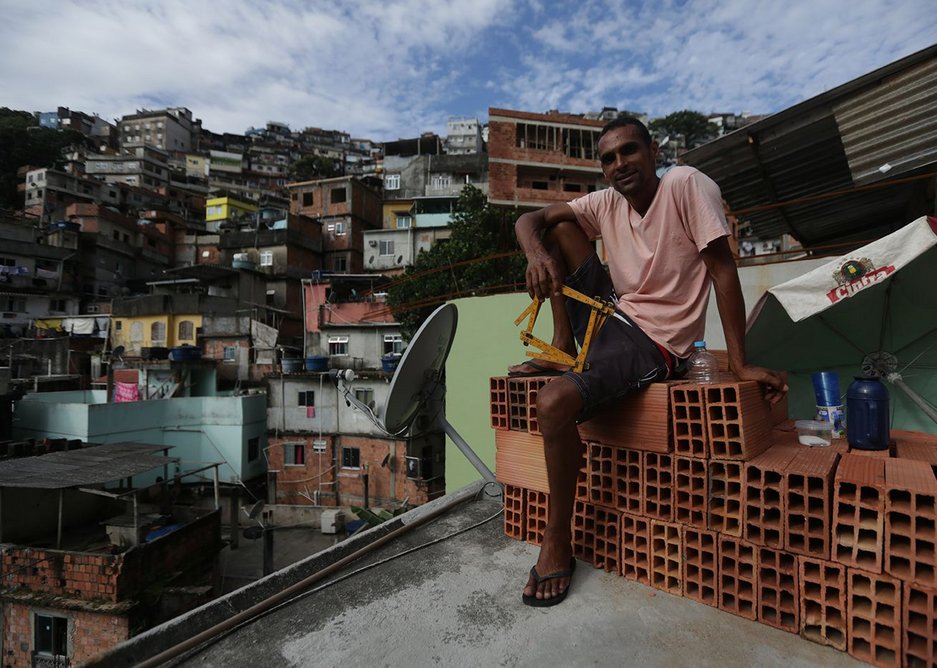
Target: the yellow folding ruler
(599, 314)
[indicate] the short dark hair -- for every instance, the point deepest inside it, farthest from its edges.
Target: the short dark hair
(625, 121)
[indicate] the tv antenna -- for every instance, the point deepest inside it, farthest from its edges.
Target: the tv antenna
(417, 385)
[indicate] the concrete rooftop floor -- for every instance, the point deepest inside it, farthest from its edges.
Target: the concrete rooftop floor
(457, 601)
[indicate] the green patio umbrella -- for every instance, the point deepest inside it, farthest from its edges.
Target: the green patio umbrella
(873, 310)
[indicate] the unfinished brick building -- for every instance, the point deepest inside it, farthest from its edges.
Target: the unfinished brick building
(85, 569)
(539, 159)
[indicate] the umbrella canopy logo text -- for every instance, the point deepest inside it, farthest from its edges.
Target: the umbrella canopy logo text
(856, 275)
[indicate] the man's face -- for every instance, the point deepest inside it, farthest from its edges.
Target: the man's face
(629, 164)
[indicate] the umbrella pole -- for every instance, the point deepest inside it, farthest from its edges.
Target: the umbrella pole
(914, 396)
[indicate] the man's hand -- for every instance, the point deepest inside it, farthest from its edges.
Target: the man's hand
(772, 382)
(544, 278)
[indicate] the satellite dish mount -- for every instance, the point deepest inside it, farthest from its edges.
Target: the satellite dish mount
(417, 386)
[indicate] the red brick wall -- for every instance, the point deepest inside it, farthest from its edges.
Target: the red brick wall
(292, 481)
(373, 451)
(89, 633)
(502, 145)
(82, 576)
(105, 577)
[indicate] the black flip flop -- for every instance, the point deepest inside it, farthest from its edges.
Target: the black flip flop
(535, 602)
(540, 370)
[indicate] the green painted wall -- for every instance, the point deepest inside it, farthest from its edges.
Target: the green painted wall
(486, 343)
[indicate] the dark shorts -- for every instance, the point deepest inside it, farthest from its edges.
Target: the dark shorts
(621, 358)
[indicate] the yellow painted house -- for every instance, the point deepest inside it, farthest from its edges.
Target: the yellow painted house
(162, 330)
(221, 209)
(397, 214)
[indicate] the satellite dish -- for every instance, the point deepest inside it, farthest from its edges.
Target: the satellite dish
(417, 383)
(420, 367)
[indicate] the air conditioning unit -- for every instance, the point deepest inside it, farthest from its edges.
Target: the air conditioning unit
(372, 243)
(318, 445)
(332, 521)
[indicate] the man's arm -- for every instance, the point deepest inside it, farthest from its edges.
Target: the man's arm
(721, 265)
(544, 277)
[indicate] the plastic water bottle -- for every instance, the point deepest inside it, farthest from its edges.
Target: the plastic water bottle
(702, 367)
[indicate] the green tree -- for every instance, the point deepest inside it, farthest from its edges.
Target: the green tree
(312, 167)
(694, 126)
(480, 257)
(22, 142)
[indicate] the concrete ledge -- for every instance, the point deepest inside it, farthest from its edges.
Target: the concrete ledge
(159, 638)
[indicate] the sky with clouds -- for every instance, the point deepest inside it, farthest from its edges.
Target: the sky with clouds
(395, 68)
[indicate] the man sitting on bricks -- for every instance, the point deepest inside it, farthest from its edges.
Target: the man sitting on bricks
(666, 239)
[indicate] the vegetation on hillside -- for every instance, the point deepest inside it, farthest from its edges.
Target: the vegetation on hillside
(480, 257)
(23, 142)
(694, 126)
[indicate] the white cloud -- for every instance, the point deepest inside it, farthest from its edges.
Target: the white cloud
(396, 68)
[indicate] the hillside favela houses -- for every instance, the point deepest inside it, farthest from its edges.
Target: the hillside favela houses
(177, 304)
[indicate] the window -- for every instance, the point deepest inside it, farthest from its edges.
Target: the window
(253, 448)
(57, 305)
(404, 221)
(387, 247)
(440, 182)
(393, 343)
(294, 454)
(306, 398)
(337, 196)
(15, 304)
(136, 332)
(392, 182)
(51, 635)
(539, 185)
(118, 326)
(158, 332)
(307, 199)
(365, 395)
(266, 259)
(338, 345)
(340, 229)
(186, 330)
(340, 263)
(351, 458)
(214, 210)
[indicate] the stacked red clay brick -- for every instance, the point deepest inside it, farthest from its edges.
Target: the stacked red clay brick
(704, 491)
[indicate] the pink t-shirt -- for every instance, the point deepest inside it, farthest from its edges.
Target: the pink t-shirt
(654, 261)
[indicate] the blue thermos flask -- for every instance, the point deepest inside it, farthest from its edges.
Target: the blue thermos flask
(867, 414)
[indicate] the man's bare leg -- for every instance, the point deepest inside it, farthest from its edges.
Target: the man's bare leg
(559, 403)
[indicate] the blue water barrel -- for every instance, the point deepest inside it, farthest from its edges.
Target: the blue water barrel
(185, 353)
(389, 362)
(867, 414)
(291, 364)
(317, 363)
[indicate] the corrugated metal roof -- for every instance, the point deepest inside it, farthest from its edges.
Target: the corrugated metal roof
(91, 465)
(835, 142)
